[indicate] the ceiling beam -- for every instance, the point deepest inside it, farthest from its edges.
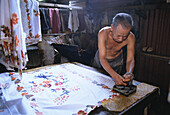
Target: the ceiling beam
(59, 6)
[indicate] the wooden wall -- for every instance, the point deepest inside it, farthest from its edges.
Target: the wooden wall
(154, 67)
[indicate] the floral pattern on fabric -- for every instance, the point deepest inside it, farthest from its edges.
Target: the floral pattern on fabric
(31, 21)
(59, 89)
(6, 31)
(12, 37)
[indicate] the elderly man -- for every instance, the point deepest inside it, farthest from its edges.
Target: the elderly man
(111, 40)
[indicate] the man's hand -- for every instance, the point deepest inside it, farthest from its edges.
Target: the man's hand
(128, 77)
(119, 80)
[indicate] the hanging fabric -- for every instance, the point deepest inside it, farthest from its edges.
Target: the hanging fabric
(45, 19)
(5, 34)
(73, 22)
(55, 20)
(62, 22)
(12, 36)
(31, 21)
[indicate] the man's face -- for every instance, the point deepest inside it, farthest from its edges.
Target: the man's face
(119, 34)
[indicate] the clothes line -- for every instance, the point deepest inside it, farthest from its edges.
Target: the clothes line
(60, 9)
(59, 5)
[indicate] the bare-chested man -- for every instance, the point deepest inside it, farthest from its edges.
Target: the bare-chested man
(110, 54)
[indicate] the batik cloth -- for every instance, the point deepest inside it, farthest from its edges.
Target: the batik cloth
(31, 21)
(64, 89)
(12, 35)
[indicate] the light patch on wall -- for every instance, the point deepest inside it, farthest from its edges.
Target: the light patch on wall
(168, 1)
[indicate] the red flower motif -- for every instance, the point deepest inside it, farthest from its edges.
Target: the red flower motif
(29, 26)
(2, 110)
(24, 94)
(27, 10)
(16, 41)
(46, 82)
(22, 54)
(105, 87)
(37, 14)
(11, 73)
(12, 59)
(38, 113)
(59, 83)
(9, 46)
(81, 112)
(14, 19)
(19, 88)
(28, 17)
(26, 1)
(37, 36)
(13, 78)
(6, 31)
(103, 100)
(29, 37)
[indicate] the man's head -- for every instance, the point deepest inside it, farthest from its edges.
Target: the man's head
(121, 26)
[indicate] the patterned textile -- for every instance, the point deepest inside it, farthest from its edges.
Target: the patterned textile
(31, 21)
(55, 20)
(12, 35)
(64, 89)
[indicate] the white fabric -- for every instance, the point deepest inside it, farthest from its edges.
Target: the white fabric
(5, 16)
(13, 46)
(18, 32)
(58, 90)
(5, 21)
(73, 22)
(31, 27)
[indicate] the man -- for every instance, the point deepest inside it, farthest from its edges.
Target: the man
(111, 40)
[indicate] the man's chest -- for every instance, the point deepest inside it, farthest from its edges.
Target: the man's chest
(114, 47)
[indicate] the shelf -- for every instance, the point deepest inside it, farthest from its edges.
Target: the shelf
(165, 58)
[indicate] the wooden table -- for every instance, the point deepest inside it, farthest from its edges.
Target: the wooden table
(135, 104)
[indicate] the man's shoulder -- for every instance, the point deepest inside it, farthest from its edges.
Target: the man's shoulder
(105, 29)
(131, 38)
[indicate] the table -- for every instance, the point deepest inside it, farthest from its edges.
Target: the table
(138, 103)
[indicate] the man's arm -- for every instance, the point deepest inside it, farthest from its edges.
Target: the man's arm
(130, 62)
(102, 56)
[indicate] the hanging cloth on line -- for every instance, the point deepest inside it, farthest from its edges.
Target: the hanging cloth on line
(45, 19)
(31, 21)
(73, 22)
(55, 20)
(12, 36)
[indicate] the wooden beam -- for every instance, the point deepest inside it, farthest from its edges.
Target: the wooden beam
(106, 7)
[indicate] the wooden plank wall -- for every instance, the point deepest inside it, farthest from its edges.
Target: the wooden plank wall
(153, 68)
